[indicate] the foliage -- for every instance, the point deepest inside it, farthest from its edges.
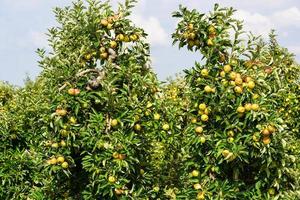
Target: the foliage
(6, 93)
(235, 97)
(20, 128)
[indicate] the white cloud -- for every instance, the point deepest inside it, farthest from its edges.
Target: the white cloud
(288, 17)
(255, 22)
(38, 39)
(259, 3)
(253, 4)
(262, 24)
(156, 33)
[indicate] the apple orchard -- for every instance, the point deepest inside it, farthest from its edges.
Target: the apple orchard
(98, 124)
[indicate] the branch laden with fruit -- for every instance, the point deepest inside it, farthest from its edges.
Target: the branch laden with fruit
(234, 133)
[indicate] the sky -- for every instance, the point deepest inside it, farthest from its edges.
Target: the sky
(24, 24)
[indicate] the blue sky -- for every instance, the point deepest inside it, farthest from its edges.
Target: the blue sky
(24, 22)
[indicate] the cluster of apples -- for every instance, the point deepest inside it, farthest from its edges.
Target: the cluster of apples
(55, 145)
(198, 186)
(267, 132)
(192, 39)
(58, 160)
(236, 80)
(247, 107)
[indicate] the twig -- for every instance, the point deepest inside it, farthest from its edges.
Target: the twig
(63, 87)
(82, 73)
